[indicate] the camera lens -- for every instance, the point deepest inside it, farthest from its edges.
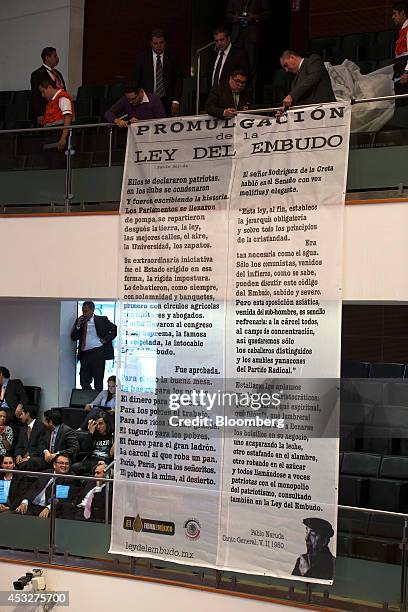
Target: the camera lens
(22, 582)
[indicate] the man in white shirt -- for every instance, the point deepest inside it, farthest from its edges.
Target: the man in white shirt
(94, 335)
(37, 501)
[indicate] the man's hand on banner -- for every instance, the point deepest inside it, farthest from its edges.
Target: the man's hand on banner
(230, 112)
(120, 123)
(288, 101)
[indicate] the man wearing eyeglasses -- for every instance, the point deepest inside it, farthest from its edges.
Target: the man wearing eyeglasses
(227, 99)
(37, 500)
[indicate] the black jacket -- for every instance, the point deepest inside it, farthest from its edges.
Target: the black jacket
(36, 444)
(236, 58)
(221, 97)
(312, 84)
(37, 101)
(15, 394)
(98, 503)
(172, 80)
(105, 330)
(65, 440)
(253, 32)
(40, 482)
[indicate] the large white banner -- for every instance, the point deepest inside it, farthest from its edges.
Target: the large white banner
(227, 416)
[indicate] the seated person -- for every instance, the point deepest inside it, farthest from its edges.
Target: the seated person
(6, 433)
(11, 483)
(37, 496)
(100, 445)
(104, 401)
(59, 437)
(31, 441)
(90, 503)
(13, 397)
(135, 105)
(227, 99)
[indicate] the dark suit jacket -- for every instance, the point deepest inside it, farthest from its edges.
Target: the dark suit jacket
(105, 330)
(37, 101)
(312, 84)
(65, 440)
(36, 444)
(40, 482)
(15, 394)
(15, 491)
(221, 97)
(253, 32)
(236, 58)
(98, 503)
(172, 80)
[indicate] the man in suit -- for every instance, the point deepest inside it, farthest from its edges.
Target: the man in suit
(59, 438)
(158, 72)
(31, 441)
(247, 18)
(11, 484)
(225, 59)
(37, 498)
(13, 396)
(400, 19)
(46, 71)
(94, 335)
(228, 99)
(90, 503)
(311, 84)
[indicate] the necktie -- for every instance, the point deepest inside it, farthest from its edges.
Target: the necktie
(56, 78)
(52, 441)
(88, 505)
(216, 78)
(236, 100)
(159, 86)
(28, 433)
(84, 332)
(2, 393)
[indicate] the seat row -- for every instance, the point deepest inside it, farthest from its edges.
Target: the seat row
(356, 47)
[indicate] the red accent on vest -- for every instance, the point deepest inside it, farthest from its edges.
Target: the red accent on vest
(401, 43)
(52, 110)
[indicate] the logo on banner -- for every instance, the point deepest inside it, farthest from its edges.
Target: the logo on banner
(192, 529)
(137, 524)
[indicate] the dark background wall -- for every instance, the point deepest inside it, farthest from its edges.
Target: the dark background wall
(116, 30)
(375, 333)
(318, 18)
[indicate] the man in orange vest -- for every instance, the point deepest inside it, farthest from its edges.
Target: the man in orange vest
(400, 19)
(59, 109)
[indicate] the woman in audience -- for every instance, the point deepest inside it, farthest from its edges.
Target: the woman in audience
(6, 434)
(99, 446)
(104, 401)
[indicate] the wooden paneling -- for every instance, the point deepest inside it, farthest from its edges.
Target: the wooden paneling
(375, 333)
(115, 31)
(319, 18)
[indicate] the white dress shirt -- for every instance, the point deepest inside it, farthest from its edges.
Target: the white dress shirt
(227, 50)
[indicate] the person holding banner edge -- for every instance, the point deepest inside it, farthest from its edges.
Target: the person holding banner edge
(311, 84)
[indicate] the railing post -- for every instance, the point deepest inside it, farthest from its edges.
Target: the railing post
(404, 543)
(51, 535)
(68, 173)
(110, 147)
(198, 84)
